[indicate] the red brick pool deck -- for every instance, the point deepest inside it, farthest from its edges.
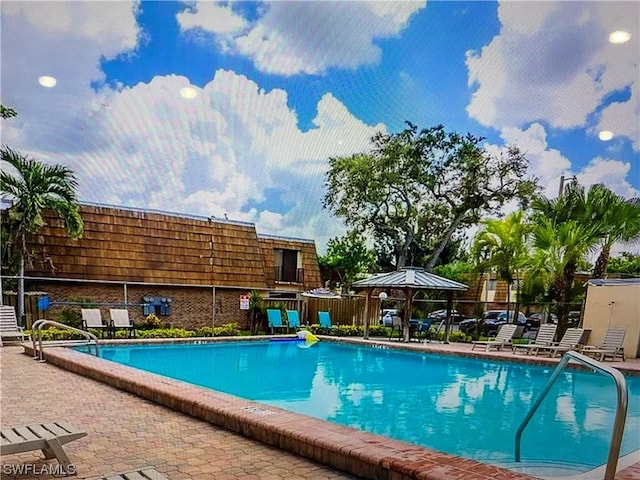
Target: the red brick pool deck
(124, 412)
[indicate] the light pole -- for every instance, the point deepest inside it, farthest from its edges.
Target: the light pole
(382, 296)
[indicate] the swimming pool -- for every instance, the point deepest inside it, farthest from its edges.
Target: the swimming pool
(461, 406)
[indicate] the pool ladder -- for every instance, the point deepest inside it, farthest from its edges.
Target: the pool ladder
(36, 333)
(621, 406)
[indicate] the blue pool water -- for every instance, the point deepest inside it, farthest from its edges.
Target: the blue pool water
(462, 406)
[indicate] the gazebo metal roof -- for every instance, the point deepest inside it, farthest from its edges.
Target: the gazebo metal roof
(414, 278)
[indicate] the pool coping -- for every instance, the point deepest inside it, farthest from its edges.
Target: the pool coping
(359, 453)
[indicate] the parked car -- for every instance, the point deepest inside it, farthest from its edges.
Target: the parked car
(535, 319)
(574, 318)
(440, 315)
(493, 320)
(387, 315)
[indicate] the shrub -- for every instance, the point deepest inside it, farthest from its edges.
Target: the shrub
(378, 331)
(349, 330)
(459, 337)
(69, 317)
(53, 333)
(346, 331)
(453, 336)
(226, 330)
(151, 321)
(315, 328)
(159, 333)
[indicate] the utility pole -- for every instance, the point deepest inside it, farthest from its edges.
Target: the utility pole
(561, 190)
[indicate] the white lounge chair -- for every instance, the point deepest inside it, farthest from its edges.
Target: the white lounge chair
(569, 341)
(611, 346)
(48, 437)
(120, 320)
(9, 325)
(504, 336)
(544, 338)
(92, 318)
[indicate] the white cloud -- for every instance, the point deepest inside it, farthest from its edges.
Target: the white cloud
(623, 118)
(148, 147)
(231, 150)
(109, 28)
(67, 41)
(552, 62)
(549, 164)
(292, 38)
(612, 173)
(537, 12)
(212, 17)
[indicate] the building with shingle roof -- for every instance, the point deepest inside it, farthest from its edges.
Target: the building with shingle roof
(200, 266)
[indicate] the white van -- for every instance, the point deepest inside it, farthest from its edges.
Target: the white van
(387, 315)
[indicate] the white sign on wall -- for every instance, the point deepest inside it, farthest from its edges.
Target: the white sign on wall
(244, 302)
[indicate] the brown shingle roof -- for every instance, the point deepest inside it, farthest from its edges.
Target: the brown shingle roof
(144, 246)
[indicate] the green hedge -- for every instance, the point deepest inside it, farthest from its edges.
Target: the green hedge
(231, 330)
(349, 330)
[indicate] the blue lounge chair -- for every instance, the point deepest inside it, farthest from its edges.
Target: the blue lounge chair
(293, 319)
(274, 316)
(325, 320)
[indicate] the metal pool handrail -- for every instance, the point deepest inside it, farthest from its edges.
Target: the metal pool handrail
(621, 406)
(36, 329)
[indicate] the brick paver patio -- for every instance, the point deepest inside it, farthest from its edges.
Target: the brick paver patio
(127, 433)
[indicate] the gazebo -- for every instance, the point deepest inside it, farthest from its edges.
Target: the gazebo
(410, 280)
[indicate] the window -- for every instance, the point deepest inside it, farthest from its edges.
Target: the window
(492, 284)
(283, 295)
(287, 269)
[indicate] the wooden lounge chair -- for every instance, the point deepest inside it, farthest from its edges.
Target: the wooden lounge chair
(504, 336)
(274, 317)
(144, 474)
(545, 336)
(48, 437)
(92, 318)
(9, 325)
(293, 319)
(569, 341)
(120, 321)
(611, 346)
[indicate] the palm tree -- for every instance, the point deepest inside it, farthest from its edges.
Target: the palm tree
(33, 188)
(610, 217)
(558, 250)
(504, 245)
(618, 220)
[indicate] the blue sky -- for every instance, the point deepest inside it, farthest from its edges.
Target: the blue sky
(280, 87)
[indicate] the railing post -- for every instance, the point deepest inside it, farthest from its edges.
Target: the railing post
(621, 407)
(37, 332)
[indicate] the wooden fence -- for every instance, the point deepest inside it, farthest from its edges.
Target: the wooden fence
(343, 311)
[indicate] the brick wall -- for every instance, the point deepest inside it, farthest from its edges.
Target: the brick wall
(191, 307)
